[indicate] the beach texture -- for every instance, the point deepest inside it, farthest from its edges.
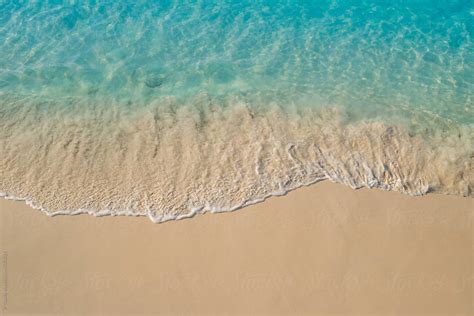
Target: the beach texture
(344, 127)
(324, 249)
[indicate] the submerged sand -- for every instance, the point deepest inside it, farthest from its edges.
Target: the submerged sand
(323, 249)
(167, 161)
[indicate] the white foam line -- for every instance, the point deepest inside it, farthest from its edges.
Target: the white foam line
(199, 210)
(155, 219)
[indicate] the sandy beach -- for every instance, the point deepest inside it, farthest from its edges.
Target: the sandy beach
(235, 157)
(323, 249)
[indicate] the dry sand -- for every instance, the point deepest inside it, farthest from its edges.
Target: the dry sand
(324, 249)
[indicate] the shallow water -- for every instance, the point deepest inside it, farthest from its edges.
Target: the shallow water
(173, 107)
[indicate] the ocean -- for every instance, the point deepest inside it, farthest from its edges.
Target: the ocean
(166, 109)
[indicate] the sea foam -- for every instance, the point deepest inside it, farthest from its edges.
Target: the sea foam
(169, 162)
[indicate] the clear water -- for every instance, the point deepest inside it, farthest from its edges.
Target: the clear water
(94, 69)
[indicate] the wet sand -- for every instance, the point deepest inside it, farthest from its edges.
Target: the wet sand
(323, 249)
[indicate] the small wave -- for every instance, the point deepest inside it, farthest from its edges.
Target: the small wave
(171, 162)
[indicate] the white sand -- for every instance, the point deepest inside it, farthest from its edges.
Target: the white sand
(325, 249)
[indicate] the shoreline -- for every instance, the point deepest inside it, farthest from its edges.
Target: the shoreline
(197, 211)
(321, 249)
(171, 164)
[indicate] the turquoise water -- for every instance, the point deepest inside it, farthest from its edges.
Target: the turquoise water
(100, 73)
(361, 54)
